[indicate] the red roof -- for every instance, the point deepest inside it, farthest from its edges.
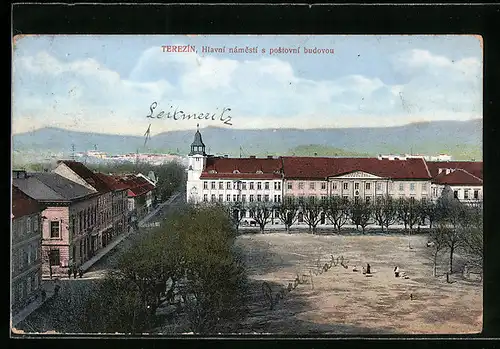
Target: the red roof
(88, 175)
(112, 182)
(23, 205)
(473, 167)
(457, 177)
(251, 168)
(206, 175)
(136, 186)
(322, 167)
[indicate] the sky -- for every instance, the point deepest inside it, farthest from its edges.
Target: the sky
(109, 83)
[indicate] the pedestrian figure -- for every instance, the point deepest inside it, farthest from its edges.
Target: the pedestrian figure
(75, 271)
(364, 270)
(396, 271)
(80, 272)
(411, 296)
(368, 271)
(69, 272)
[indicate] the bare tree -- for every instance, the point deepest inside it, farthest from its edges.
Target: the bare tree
(360, 214)
(428, 211)
(336, 210)
(312, 208)
(473, 236)
(437, 244)
(454, 239)
(378, 212)
(408, 214)
(236, 211)
(261, 211)
(384, 211)
(287, 211)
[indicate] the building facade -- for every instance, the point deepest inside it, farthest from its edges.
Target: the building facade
(79, 173)
(119, 207)
(69, 220)
(464, 178)
(222, 179)
(26, 250)
(140, 195)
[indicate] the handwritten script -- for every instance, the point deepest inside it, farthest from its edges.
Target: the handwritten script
(176, 114)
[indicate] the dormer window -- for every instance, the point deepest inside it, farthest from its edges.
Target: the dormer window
(212, 171)
(236, 171)
(190, 167)
(259, 172)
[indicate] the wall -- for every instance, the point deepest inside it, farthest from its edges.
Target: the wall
(238, 188)
(437, 190)
(26, 266)
(306, 190)
(80, 238)
(61, 215)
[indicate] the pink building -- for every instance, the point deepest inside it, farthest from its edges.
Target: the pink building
(77, 172)
(68, 221)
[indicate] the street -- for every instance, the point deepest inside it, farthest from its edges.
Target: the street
(58, 313)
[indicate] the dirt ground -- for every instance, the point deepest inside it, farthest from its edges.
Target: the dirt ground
(341, 301)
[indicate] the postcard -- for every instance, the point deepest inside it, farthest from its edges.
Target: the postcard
(247, 184)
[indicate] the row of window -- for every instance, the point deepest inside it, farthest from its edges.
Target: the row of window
(26, 288)
(27, 255)
(312, 186)
(241, 185)
(25, 227)
(242, 198)
(475, 194)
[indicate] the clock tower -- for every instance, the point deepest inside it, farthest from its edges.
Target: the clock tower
(197, 159)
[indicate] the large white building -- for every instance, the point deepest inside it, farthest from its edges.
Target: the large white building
(223, 179)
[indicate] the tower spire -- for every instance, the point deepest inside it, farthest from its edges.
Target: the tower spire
(197, 147)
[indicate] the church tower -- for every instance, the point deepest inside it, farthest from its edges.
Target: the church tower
(197, 159)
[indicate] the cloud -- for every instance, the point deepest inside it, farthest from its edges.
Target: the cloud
(264, 92)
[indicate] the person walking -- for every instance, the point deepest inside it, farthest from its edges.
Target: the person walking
(368, 270)
(80, 272)
(70, 271)
(75, 271)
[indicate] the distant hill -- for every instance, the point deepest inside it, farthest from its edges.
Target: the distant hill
(461, 139)
(321, 150)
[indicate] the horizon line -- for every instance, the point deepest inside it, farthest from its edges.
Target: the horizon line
(245, 129)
